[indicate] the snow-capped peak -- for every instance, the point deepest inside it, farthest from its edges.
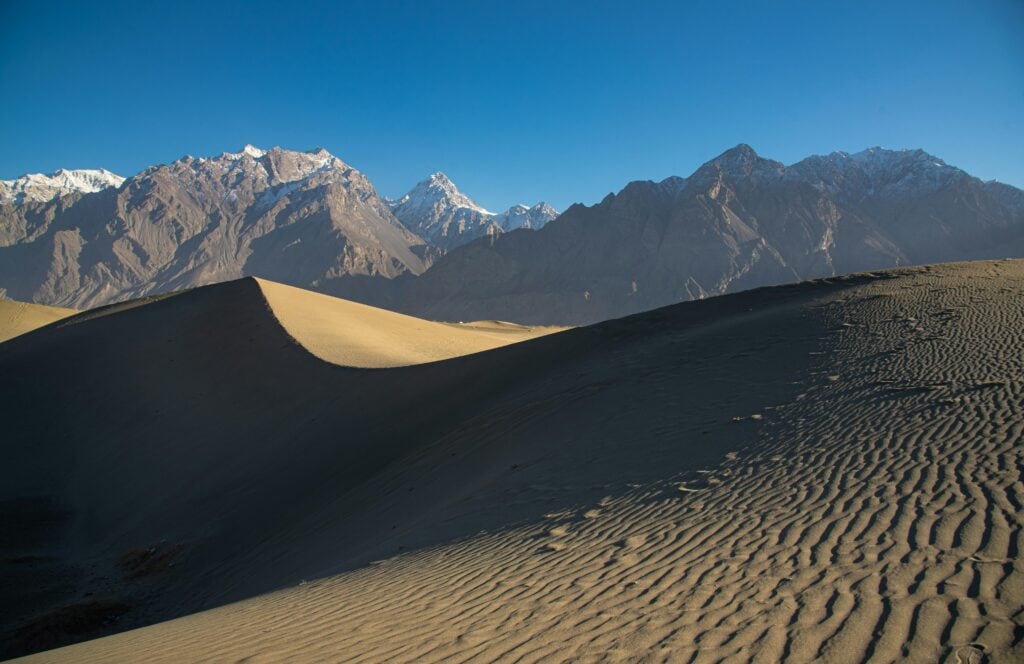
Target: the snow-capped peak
(42, 187)
(521, 216)
(253, 151)
(876, 171)
(249, 150)
(437, 190)
(437, 211)
(280, 165)
(880, 159)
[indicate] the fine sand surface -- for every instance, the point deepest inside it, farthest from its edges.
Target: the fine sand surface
(356, 335)
(17, 318)
(829, 471)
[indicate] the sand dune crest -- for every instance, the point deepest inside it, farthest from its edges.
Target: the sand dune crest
(603, 494)
(17, 318)
(356, 335)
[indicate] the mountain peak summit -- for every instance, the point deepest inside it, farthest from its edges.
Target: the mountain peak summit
(739, 161)
(438, 212)
(438, 190)
(740, 151)
(253, 151)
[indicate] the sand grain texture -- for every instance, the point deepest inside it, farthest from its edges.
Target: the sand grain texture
(602, 494)
(356, 335)
(17, 318)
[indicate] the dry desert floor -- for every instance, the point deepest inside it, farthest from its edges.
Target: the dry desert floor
(245, 472)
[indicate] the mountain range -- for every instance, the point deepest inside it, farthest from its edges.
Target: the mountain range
(310, 220)
(740, 221)
(90, 237)
(39, 187)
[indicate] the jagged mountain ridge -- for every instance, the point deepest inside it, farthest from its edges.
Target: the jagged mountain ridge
(310, 220)
(446, 218)
(740, 221)
(40, 187)
(297, 217)
(522, 216)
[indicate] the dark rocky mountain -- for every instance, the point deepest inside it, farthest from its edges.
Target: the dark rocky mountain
(296, 217)
(740, 221)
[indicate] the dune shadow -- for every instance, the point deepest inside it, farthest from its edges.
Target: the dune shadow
(194, 439)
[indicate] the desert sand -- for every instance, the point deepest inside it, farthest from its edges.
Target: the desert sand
(17, 318)
(827, 471)
(356, 335)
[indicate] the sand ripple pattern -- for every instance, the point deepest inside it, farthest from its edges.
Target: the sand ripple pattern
(876, 516)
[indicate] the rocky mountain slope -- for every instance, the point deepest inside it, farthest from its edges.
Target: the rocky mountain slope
(446, 218)
(740, 221)
(297, 217)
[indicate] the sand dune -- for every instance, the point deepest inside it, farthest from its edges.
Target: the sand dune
(17, 318)
(825, 471)
(357, 335)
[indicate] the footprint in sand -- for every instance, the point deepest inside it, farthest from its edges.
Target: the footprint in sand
(973, 653)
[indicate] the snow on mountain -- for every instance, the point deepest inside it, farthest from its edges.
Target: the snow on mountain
(437, 189)
(521, 216)
(248, 150)
(739, 221)
(41, 187)
(295, 217)
(442, 215)
(876, 172)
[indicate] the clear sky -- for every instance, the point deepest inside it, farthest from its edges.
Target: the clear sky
(517, 101)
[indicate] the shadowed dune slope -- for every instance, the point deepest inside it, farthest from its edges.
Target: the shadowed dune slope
(357, 335)
(824, 471)
(17, 318)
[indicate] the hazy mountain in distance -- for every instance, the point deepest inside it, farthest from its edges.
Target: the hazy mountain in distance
(446, 218)
(521, 216)
(740, 221)
(296, 217)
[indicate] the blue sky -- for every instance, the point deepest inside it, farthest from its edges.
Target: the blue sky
(517, 101)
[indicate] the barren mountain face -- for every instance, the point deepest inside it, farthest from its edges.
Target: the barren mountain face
(740, 221)
(297, 217)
